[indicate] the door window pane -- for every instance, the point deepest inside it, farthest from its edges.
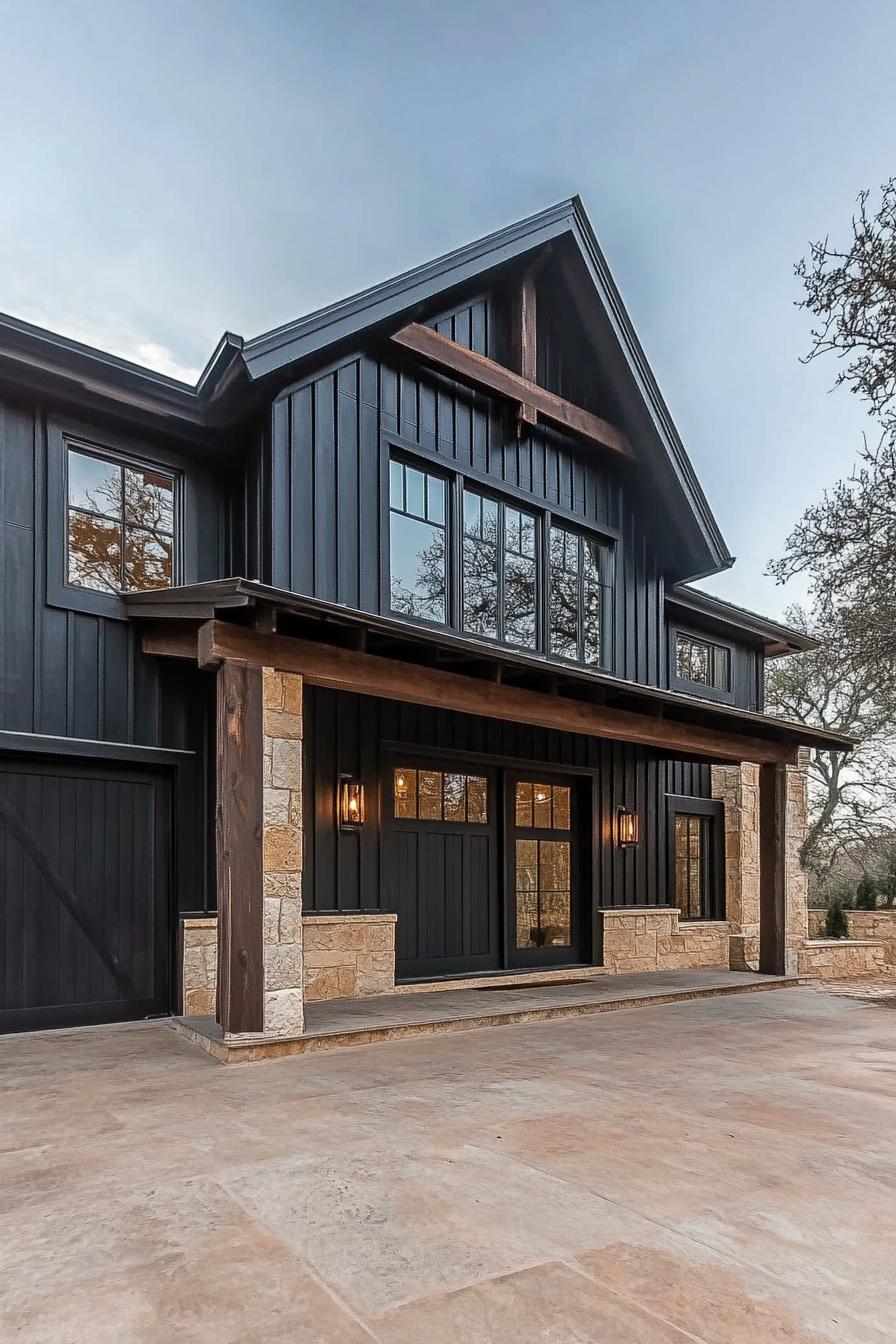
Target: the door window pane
(436, 795)
(542, 806)
(543, 893)
(691, 854)
(405, 786)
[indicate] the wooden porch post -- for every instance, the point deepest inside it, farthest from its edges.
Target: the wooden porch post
(772, 868)
(238, 834)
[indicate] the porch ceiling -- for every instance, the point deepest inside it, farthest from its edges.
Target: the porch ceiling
(395, 660)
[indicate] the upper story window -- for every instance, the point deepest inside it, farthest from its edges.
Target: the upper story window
(487, 565)
(578, 583)
(119, 524)
(500, 571)
(701, 662)
(418, 550)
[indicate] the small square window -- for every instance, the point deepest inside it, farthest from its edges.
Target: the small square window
(120, 524)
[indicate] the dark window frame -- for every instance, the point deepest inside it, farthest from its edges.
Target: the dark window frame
(713, 642)
(712, 811)
(394, 447)
(494, 497)
(607, 564)
(122, 451)
(449, 527)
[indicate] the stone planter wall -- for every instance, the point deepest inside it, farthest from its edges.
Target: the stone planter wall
(878, 925)
(655, 940)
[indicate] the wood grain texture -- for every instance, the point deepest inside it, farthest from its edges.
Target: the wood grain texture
(368, 674)
(488, 376)
(524, 342)
(238, 828)
(772, 872)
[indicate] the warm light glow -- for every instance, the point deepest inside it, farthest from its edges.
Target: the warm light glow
(351, 802)
(401, 785)
(626, 828)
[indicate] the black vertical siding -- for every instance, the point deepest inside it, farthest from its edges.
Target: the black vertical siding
(345, 734)
(67, 673)
(325, 453)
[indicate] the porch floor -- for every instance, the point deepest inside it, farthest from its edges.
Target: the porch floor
(344, 1022)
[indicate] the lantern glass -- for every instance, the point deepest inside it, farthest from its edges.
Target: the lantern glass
(627, 828)
(351, 802)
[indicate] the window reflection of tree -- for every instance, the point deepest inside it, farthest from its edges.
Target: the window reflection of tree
(425, 598)
(125, 541)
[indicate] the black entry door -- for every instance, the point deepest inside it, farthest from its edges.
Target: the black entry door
(84, 893)
(543, 871)
(441, 871)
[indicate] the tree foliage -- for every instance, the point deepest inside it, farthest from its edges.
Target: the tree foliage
(851, 798)
(846, 543)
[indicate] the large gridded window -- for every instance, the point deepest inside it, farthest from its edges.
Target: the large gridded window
(418, 550)
(500, 571)
(119, 524)
(440, 795)
(577, 596)
(702, 663)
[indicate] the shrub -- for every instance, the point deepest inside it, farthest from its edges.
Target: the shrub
(836, 924)
(866, 893)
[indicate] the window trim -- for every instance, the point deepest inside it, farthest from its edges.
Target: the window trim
(394, 446)
(705, 692)
(124, 451)
(713, 810)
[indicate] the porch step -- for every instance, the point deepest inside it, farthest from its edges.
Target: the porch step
(339, 1023)
(499, 979)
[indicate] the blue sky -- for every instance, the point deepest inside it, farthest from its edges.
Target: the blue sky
(172, 170)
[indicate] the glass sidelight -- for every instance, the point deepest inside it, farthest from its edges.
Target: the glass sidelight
(542, 871)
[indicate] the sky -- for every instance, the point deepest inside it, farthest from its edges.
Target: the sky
(169, 171)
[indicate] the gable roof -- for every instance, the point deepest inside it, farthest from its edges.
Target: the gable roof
(225, 388)
(776, 638)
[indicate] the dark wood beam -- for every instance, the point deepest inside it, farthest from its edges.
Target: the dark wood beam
(524, 341)
(391, 679)
(488, 376)
(238, 838)
(772, 869)
(170, 641)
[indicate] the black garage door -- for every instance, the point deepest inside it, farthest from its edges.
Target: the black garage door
(84, 894)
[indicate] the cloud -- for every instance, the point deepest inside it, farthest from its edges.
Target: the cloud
(115, 337)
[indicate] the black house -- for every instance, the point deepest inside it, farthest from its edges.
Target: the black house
(389, 615)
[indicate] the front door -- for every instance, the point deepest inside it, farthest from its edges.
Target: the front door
(441, 867)
(542, 871)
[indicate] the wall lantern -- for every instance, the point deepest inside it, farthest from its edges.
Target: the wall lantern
(352, 810)
(626, 828)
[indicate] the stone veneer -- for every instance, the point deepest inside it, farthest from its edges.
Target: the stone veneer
(737, 786)
(282, 853)
(348, 956)
(654, 939)
(879, 924)
(844, 959)
(199, 966)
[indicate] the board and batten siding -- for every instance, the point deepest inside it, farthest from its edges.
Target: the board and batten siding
(327, 529)
(72, 674)
(346, 734)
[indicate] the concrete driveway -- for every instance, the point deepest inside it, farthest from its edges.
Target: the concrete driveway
(721, 1170)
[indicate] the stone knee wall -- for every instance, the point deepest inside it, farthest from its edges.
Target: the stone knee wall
(343, 956)
(348, 956)
(282, 853)
(655, 939)
(844, 959)
(199, 962)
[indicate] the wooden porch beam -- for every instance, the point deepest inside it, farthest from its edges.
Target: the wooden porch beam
(488, 376)
(772, 870)
(238, 837)
(367, 674)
